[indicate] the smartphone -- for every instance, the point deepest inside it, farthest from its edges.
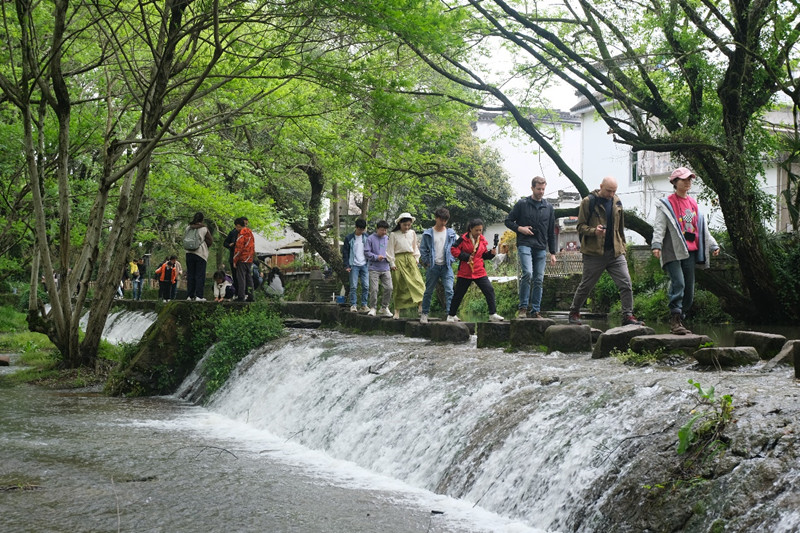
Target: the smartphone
(496, 240)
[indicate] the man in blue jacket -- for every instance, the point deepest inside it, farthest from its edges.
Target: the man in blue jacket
(355, 262)
(435, 256)
(533, 219)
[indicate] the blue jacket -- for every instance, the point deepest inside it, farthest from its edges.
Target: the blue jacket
(348, 250)
(542, 220)
(427, 253)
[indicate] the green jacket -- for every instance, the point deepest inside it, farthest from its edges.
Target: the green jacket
(588, 221)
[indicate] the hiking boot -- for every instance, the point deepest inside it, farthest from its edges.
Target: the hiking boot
(575, 318)
(676, 326)
(536, 314)
(371, 312)
(353, 309)
(522, 312)
(453, 318)
(630, 320)
(496, 318)
(423, 318)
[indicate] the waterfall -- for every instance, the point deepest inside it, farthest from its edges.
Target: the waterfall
(550, 440)
(124, 326)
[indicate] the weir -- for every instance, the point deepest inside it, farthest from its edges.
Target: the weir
(561, 442)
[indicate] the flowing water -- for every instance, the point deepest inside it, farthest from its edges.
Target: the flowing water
(325, 431)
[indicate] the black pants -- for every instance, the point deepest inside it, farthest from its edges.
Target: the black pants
(244, 281)
(195, 275)
(165, 290)
(462, 284)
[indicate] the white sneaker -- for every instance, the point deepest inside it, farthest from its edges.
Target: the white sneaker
(385, 312)
(364, 309)
(189, 299)
(371, 312)
(496, 318)
(353, 309)
(423, 318)
(199, 299)
(165, 301)
(453, 318)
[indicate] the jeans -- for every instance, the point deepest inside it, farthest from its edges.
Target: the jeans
(681, 287)
(195, 275)
(137, 288)
(532, 263)
(593, 267)
(432, 276)
(359, 273)
(382, 278)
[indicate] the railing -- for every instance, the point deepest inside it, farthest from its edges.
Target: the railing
(567, 264)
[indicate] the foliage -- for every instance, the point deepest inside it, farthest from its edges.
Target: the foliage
(24, 296)
(628, 356)
(238, 334)
(474, 304)
(702, 435)
(11, 320)
(604, 294)
(784, 254)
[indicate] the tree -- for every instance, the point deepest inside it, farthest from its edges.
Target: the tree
(694, 79)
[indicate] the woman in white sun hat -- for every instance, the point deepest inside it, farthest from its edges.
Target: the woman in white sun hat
(402, 252)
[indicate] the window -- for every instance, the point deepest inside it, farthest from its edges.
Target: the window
(634, 166)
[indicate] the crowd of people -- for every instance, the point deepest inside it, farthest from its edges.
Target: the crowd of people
(386, 263)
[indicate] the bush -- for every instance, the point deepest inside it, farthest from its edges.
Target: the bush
(24, 294)
(237, 335)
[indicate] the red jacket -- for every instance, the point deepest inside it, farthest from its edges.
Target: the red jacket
(167, 270)
(463, 250)
(244, 251)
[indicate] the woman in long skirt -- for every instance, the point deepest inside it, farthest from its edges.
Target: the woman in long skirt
(402, 252)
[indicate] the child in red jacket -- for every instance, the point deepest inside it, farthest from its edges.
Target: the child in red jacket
(471, 249)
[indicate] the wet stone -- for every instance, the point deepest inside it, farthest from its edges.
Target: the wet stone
(789, 354)
(529, 331)
(727, 356)
(766, 344)
(455, 332)
(618, 338)
(303, 323)
(5, 360)
(568, 339)
(668, 343)
(390, 325)
(493, 334)
(418, 329)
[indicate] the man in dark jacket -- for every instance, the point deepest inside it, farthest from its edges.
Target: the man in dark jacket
(533, 219)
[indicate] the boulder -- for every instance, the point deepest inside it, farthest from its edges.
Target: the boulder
(5, 360)
(453, 332)
(687, 344)
(766, 344)
(493, 334)
(529, 331)
(727, 356)
(303, 323)
(789, 355)
(618, 338)
(596, 334)
(568, 338)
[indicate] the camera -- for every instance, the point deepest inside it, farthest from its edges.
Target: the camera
(496, 240)
(690, 237)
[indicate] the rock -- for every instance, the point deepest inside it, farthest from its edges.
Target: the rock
(529, 331)
(687, 344)
(568, 338)
(304, 323)
(456, 332)
(766, 344)
(5, 360)
(390, 325)
(415, 328)
(727, 356)
(596, 334)
(618, 339)
(493, 334)
(789, 354)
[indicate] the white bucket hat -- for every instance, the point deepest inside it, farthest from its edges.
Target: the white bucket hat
(402, 216)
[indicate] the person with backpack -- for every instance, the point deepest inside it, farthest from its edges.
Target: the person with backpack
(533, 220)
(196, 240)
(601, 226)
(244, 253)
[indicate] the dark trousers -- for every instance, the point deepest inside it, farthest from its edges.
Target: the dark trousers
(244, 281)
(462, 284)
(165, 290)
(195, 275)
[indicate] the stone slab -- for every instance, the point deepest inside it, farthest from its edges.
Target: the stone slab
(529, 331)
(766, 344)
(727, 356)
(450, 332)
(686, 344)
(568, 338)
(618, 339)
(493, 334)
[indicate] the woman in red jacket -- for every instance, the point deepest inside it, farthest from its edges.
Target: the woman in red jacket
(471, 249)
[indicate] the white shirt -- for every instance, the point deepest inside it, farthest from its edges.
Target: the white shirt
(399, 243)
(439, 238)
(359, 259)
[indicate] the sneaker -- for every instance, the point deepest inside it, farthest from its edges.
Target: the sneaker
(189, 299)
(364, 309)
(353, 309)
(199, 299)
(165, 301)
(630, 320)
(384, 312)
(575, 318)
(496, 318)
(522, 312)
(423, 318)
(371, 312)
(536, 314)
(453, 318)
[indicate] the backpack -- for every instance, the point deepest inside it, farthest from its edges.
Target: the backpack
(191, 239)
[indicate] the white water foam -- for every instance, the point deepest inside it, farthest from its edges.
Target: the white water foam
(124, 326)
